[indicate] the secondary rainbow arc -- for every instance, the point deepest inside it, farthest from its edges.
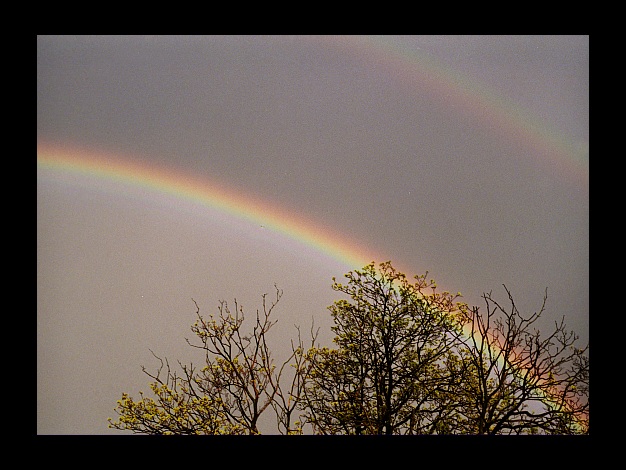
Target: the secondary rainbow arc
(416, 70)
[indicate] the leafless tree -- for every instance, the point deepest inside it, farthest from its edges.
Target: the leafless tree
(238, 382)
(516, 380)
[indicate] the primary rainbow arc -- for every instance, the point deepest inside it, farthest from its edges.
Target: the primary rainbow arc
(186, 187)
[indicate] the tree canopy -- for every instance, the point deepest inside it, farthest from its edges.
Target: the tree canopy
(406, 360)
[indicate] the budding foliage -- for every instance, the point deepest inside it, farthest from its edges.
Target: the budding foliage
(405, 359)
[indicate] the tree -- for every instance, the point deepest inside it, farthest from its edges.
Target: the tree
(408, 360)
(388, 375)
(237, 384)
(516, 381)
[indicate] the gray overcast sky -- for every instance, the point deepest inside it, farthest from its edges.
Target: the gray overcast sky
(464, 156)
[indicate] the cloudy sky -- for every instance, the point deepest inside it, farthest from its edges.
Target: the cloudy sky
(463, 156)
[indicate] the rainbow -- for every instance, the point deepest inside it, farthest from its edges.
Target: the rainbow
(187, 187)
(408, 67)
(180, 185)
(411, 68)
(414, 70)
